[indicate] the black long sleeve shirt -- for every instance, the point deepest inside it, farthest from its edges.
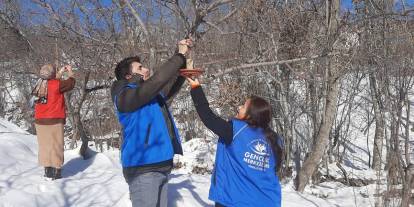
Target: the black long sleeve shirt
(132, 99)
(219, 126)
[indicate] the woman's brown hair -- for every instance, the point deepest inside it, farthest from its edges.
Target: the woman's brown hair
(259, 114)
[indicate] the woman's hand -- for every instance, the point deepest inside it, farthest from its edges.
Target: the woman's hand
(68, 69)
(193, 83)
(59, 74)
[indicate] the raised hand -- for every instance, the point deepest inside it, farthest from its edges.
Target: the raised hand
(193, 83)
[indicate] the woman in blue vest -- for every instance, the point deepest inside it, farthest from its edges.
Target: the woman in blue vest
(248, 155)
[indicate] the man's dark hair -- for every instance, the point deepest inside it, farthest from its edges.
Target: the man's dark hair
(123, 68)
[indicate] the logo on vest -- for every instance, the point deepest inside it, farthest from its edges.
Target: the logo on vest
(258, 156)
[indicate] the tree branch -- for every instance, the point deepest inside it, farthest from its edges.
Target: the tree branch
(136, 15)
(95, 88)
(17, 30)
(216, 4)
(214, 26)
(251, 65)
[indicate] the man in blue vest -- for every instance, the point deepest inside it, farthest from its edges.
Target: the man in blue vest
(150, 138)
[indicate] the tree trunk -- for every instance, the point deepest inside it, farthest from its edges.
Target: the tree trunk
(287, 121)
(318, 150)
(407, 187)
(75, 116)
(81, 129)
(332, 89)
(379, 123)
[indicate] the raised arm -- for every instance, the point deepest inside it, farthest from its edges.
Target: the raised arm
(131, 99)
(68, 84)
(219, 126)
(173, 89)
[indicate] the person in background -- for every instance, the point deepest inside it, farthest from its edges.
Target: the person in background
(150, 138)
(248, 155)
(50, 117)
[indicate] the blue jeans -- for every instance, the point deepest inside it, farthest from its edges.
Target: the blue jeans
(148, 189)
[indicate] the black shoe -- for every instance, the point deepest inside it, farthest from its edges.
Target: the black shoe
(48, 172)
(57, 173)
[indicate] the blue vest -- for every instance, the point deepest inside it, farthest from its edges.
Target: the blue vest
(146, 139)
(244, 173)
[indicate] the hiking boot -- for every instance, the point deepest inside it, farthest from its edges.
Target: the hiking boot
(48, 172)
(57, 173)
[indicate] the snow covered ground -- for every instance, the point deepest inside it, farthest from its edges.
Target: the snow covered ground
(99, 182)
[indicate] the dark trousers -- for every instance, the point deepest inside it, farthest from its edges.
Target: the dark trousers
(219, 205)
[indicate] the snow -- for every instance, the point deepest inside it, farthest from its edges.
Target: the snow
(94, 182)
(199, 153)
(99, 181)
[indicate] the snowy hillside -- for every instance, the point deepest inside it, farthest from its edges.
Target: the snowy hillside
(95, 182)
(99, 181)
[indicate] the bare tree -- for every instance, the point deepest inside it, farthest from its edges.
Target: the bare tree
(332, 75)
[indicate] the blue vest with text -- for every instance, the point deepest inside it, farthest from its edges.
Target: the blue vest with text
(244, 173)
(146, 139)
